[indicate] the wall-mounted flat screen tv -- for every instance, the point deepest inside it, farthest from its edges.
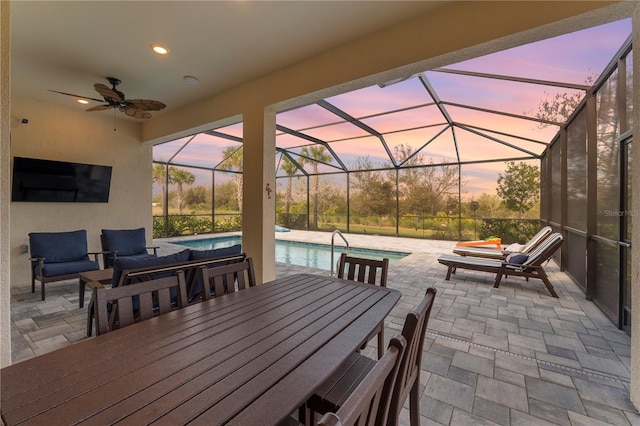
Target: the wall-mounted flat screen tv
(59, 181)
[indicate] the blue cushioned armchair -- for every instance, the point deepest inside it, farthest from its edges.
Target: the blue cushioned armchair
(121, 243)
(57, 256)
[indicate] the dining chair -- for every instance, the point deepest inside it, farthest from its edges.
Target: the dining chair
(370, 271)
(338, 388)
(224, 279)
(121, 306)
(369, 402)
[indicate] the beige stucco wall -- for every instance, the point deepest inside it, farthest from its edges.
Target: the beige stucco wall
(58, 133)
(5, 108)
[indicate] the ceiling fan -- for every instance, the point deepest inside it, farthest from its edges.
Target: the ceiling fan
(115, 99)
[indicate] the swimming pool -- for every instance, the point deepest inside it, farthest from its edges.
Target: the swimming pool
(296, 253)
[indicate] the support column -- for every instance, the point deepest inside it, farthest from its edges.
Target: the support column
(635, 217)
(259, 186)
(5, 184)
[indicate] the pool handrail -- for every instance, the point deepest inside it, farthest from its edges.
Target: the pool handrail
(333, 234)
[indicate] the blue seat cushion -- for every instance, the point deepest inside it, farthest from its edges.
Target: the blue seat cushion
(56, 247)
(213, 253)
(126, 263)
(66, 268)
(126, 242)
(210, 254)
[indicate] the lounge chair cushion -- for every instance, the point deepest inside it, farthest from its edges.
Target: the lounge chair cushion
(126, 242)
(214, 253)
(127, 263)
(58, 247)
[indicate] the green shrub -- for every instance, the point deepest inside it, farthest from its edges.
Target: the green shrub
(509, 230)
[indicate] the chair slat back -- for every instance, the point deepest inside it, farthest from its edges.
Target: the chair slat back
(115, 307)
(544, 251)
(414, 330)
(368, 404)
(363, 270)
(224, 279)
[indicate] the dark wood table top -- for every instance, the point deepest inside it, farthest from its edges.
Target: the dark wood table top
(248, 358)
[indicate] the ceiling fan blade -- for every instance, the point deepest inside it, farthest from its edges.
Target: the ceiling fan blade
(99, 108)
(135, 113)
(77, 96)
(145, 104)
(107, 92)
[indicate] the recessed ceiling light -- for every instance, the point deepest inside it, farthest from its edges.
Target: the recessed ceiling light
(83, 101)
(190, 79)
(159, 49)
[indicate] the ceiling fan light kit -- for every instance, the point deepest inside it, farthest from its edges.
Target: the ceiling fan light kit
(115, 99)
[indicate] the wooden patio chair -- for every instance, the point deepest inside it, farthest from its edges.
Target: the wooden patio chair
(528, 266)
(489, 253)
(227, 279)
(369, 271)
(118, 307)
(370, 401)
(335, 392)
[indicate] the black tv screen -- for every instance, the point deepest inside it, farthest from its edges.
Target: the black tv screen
(59, 181)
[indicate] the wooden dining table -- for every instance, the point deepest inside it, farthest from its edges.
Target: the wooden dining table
(247, 358)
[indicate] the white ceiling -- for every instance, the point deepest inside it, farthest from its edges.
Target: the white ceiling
(69, 46)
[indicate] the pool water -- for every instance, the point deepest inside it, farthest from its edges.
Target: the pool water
(296, 253)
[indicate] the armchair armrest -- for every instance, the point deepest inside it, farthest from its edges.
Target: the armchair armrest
(93, 285)
(154, 248)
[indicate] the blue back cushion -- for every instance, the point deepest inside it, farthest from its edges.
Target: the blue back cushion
(210, 254)
(125, 241)
(59, 246)
(123, 264)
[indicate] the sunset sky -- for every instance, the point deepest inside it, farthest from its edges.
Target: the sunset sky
(570, 58)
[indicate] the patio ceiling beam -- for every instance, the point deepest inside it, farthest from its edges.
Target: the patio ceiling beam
(316, 141)
(344, 115)
(224, 136)
(522, 138)
(434, 137)
(474, 131)
(506, 114)
(514, 78)
(432, 92)
(388, 133)
(180, 149)
(286, 153)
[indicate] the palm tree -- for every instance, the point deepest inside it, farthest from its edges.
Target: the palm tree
(233, 161)
(181, 177)
(290, 169)
(313, 155)
(160, 177)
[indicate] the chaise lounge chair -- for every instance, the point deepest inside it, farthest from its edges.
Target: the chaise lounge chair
(490, 253)
(523, 265)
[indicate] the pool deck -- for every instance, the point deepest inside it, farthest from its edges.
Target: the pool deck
(507, 356)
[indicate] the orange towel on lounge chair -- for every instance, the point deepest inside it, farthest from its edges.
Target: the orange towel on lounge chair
(489, 241)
